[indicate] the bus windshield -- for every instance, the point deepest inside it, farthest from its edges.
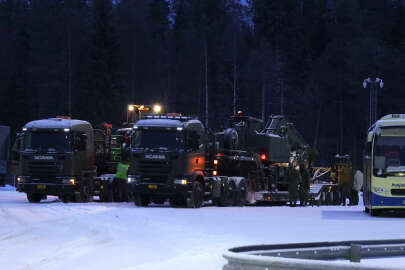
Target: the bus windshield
(165, 140)
(389, 155)
(47, 142)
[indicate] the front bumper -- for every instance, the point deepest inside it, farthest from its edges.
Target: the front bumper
(380, 202)
(161, 189)
(48, 188)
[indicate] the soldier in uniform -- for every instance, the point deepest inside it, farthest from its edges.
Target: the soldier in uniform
(346, 183)
(304, 184)
(293, 180)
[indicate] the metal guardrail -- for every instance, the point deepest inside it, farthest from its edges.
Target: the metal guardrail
(314, 256)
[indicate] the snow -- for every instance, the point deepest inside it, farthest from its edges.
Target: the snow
(7, 188)
(55, 123)
(53, 235)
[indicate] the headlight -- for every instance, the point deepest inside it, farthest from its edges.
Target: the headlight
(380, 190)
(20, 180)
(70, 181)
(132, 179)
(181, 181)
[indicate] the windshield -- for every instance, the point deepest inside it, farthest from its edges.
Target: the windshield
(157, 139)
(47, 141)
(389, 155)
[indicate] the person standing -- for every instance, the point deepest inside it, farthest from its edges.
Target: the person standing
(357, 186)
(293, 180)
(304, 184)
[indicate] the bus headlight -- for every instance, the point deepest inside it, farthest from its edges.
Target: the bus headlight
(380, 190)
(181, 181)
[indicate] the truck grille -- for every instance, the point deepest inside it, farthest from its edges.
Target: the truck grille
(156, 170)
(398, 192)
(42, 168)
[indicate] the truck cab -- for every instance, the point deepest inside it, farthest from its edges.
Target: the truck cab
(168, 160)
(57, 158)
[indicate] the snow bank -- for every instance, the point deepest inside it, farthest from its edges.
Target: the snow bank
(7, 188)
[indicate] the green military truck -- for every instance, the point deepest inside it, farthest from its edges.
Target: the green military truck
(173, 157)
(57, 157)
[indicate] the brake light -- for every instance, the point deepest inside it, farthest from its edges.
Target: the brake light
(219, 154)
(263, 157)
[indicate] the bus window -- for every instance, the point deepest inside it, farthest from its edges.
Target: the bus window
(389, 155)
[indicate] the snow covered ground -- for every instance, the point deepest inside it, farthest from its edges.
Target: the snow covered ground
(53, 235)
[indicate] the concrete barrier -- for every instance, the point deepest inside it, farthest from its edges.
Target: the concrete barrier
(314, 256)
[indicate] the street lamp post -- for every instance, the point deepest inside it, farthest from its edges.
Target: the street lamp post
(374, 84)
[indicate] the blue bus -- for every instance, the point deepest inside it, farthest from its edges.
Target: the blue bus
(384, 165)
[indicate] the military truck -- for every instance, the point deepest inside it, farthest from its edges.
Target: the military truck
(173, 157)
(57, 158)
(261, 152)
(4, 152)
(244, 164)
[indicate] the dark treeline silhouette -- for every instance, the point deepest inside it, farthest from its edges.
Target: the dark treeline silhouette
(303, 58)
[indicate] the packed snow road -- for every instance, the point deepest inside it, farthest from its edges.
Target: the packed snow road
(54, 235)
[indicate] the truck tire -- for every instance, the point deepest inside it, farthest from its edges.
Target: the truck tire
(85, 192)
(241, 192)
(228, 194)
(197, 196)
(158, 200)
(34, 198)
(141, 200)
(64, 198)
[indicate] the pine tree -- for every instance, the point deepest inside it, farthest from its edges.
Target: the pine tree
(105, 95)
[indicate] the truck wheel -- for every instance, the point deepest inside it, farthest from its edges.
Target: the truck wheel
(240, 198)
(177, 201)
(158, 200)
(141, 200)
(227, 194)
(84, 194)
(197, 196)
(64, 198)
(34, 198)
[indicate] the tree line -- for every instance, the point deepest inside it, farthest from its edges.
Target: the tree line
(303, 58)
